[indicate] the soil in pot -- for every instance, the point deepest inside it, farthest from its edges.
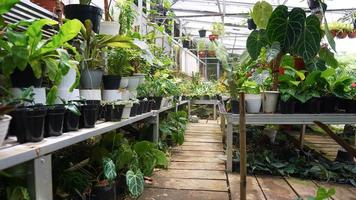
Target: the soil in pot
(287, 107)
(71, 121)
(30, 124)
(89, 113)
(91, 79)
(158, 101)
(104, 192)
(328, 104)
(134, 108)
(84, 12)
(54, 120)
(202, 33)
(113, 113)
(235, 106)
(25, 79)
(111, 82)
(251, 24)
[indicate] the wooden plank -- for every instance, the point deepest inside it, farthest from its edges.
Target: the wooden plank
(208, 154)
(164, 194)
(254, 192)
(199, 148)
(304, 188)
(343, 192)
(190, 174)
(204, 136)
(189, 184)
(198, 139)
(196, 165)
(276, 188)
(218, 144)
(189, 158)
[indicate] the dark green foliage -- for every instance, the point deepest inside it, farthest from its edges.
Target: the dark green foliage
(174, 127)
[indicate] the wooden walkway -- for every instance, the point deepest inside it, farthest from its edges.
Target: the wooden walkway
(197, 172)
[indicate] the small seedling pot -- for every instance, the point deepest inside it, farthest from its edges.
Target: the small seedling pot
(54, 120)
(234, 106)
(328, 104)
(89, 113)
(202, 33)
(312, 106)
(158, 101)
(113, 113)
(134, 109)
(126, 111)
(287, 107)
(101, 192)
(350, 106)
(71, 120)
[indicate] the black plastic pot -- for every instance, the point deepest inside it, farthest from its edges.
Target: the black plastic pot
(287, 107)
(120, 184)
(30, 123)
(90, 115)
(251, 24)
(54, 120)
(312, 106)
(354, 23)
(202, 33)
(186, 44)
(71, 120)
(104, 192)
(134, 109)
(235, 165)
(158, 101)
(313, 4)
(113, 113)
(234, 106)
(84, 12)
(344, 156)
(141, 108)
(328, 104)
(151, 103)
(25, 79)
(111, 82)
(350, 106)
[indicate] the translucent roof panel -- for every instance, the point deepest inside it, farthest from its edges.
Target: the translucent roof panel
(200, 14)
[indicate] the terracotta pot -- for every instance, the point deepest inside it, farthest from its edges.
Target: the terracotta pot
(333, 33)
(211, 53)
(341, 35)
(202, 54)
(213, 37)
(352, 34)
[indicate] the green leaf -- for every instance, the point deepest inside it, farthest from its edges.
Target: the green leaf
(135, 183)
(261, 12)
(285, 27)
(329, 37)
(328, 56)
(143, 147)
(109, 169)
(160, 157)
(255, 41)
(34, 32)
(273, 51)
(52, 95)
(6, 5)
(309, 43)
(36, 68)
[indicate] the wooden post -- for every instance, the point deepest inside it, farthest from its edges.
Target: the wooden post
(242, 125)
(301, 137)
(106, 10)
(59, 11)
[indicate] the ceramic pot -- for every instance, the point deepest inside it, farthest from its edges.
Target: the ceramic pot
(253, 103)
(269, 101)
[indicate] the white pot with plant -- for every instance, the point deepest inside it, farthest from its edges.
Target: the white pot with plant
(252, 97)
(127, 109)
(4, 121)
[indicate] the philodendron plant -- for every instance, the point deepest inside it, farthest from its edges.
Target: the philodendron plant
(46, 57)
(287, 32)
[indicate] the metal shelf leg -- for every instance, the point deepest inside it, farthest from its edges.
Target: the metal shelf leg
(156, 129)
(229, 146)
(40, 180)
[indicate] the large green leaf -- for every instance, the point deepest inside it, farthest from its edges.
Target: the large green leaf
(135, 183)
(285, 27)
(6, 5)
(34, 32)
(328, 56)
(309, 43)
(273, 51)
(255, 41)
(68, 31)
(261, 13)
(109, 169)
(160, 157)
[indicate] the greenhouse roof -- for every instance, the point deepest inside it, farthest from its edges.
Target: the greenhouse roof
(200, 14)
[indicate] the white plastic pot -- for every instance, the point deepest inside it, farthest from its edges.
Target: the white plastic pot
(109, 27)
(164, 102)
(271, 133)
(4, 126)
(124, 82)
(253, 103)
(125, 95)
(39, 94)
(126, 112)
(91, 94)
(112, 95)
(133, 83)
(68, 80)
(269, 101)
(66, 95)
(141, 77)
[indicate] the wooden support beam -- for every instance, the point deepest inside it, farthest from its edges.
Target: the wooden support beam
(243, 168)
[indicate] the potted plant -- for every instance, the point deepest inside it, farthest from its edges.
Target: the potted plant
(54, 120)
(113, 111)
(212, 49)
(202, 33)
(252, 96)
(218, 30)
(201, 48)
(186, 42)
(72, 115)
(84, 11)
(127, 16)
(39, 57)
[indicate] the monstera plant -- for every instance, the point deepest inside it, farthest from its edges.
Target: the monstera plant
(287, 32)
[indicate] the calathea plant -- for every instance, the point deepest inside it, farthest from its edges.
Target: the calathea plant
(29, 50)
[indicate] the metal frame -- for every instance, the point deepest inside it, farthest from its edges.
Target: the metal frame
(40, 154)
(215, 103)
(263, 119)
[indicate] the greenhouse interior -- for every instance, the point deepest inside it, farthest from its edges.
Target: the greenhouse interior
(177, 99)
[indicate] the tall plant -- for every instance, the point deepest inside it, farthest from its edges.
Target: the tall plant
(127, 15)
